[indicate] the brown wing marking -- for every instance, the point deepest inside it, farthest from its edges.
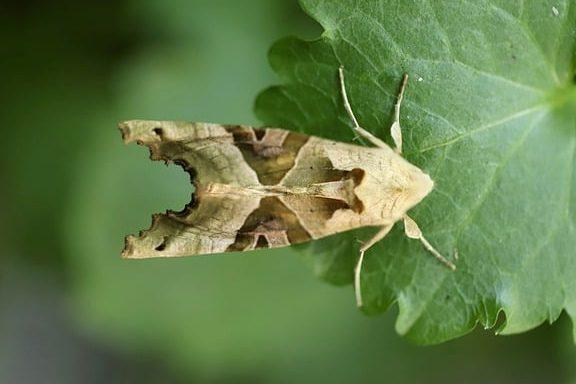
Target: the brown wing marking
(268, 151)
(271, 225)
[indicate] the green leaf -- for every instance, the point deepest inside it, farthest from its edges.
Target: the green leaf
(490, 113)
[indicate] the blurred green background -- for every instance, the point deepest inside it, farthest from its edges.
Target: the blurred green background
(72, 311)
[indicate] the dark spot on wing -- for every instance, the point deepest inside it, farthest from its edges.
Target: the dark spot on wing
(262, 242)
(259, 133)
(159, 132)
(162, 245)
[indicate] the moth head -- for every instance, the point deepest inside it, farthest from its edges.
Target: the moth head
(411, 185)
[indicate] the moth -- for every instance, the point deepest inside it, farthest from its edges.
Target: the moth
(268, 187)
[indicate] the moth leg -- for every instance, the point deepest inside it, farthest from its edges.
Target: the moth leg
(395, 130)
(413, 231)
(358, 269)
(357, 128)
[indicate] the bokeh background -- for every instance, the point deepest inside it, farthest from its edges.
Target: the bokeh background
(71, 311)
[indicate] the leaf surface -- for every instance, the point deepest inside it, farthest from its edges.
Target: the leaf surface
(490, 114)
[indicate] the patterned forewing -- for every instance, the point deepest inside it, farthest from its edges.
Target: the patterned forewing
(254, 188)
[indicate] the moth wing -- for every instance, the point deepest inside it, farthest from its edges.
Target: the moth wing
(194, 146)
(219, 221)
(211, 227)
(208, 224)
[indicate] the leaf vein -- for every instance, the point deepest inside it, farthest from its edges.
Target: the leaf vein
(482, 73)
(485, 193)
(486, 127)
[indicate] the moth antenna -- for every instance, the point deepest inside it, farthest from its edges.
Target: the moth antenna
(413, 231)
(437, 254)
(345, 98)
(356, 127)
(395, 130)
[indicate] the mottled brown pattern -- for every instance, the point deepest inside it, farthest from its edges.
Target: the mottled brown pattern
(270, 152)
(271, 225)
